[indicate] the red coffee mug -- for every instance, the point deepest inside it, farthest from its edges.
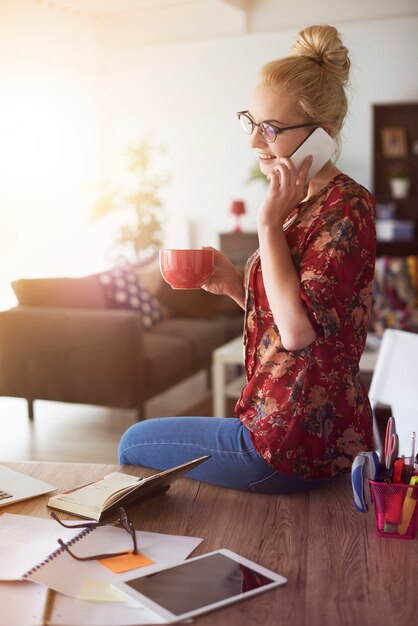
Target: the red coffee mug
(186, 269)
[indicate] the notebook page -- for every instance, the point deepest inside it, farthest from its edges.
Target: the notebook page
(80, 613)
(67, 575)
(22, 603)
(94, 494)
(25, 541)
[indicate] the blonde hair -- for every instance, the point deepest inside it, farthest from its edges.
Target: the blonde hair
(315, 75)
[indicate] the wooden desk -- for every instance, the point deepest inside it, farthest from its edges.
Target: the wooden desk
(340, 573)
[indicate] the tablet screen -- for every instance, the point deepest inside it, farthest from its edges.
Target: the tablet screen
(195, 584)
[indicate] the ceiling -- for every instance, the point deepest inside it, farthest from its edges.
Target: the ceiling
(101, 8)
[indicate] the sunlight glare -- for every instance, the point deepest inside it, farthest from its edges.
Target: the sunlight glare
(49, 161)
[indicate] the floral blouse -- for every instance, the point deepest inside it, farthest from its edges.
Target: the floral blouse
(307, 410)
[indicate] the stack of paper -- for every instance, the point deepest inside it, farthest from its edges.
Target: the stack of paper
(85, 591)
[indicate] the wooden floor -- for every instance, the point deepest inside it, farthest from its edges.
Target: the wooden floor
(68, 432)
(81, 433)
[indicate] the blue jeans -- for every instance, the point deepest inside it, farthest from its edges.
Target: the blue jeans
(165, 442)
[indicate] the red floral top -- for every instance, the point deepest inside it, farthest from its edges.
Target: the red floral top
(307, 410)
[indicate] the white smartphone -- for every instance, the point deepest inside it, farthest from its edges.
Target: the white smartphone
(320, 145)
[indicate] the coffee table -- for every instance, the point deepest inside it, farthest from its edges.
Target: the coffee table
(340, 573)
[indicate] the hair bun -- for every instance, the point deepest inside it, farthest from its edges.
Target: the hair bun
(323, 45)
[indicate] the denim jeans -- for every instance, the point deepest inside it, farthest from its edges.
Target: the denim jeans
(165, 442)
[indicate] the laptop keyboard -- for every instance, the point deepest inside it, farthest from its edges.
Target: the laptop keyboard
(4, 495)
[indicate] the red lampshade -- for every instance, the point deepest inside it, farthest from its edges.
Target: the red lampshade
(237, 209)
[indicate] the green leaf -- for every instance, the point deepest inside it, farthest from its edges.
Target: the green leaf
(256, 174)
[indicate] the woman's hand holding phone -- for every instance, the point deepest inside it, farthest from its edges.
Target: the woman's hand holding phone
(288, 181)
(288, 187)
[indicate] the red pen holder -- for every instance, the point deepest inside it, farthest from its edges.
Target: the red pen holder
(396, 509)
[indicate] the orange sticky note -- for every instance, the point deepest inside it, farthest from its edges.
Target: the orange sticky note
(126, 562)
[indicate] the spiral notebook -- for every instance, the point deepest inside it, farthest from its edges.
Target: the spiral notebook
(29, 552)
(61, 572)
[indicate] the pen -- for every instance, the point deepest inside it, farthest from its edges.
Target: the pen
(412, 452)
(409, 505)
(49, 605)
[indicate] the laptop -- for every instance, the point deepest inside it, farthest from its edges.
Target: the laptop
(15, 486)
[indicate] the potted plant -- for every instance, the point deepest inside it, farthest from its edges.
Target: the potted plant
(138, 204)
(399, 181)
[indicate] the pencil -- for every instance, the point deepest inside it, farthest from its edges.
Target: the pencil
(49, 605)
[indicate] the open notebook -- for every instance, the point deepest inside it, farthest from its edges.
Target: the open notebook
(15, 486)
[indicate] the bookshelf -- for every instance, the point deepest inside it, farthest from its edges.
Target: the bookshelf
(395, 143)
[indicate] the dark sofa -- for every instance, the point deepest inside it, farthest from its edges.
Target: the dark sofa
(66, 342)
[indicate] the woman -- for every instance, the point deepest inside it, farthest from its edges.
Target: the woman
(304, 414)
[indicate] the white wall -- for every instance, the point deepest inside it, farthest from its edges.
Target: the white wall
(49, 141)
(156, 23)
(187, 95)
(273, 15)
(187, 21)
(58, 86)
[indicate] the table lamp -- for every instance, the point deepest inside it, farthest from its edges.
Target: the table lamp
(237, 209)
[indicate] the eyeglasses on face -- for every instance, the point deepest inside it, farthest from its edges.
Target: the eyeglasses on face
(122, 521)
(268, 131)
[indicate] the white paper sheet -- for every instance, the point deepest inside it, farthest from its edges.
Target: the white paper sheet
(79, 613)
(22, 603)
(66, 575)
(25, 541)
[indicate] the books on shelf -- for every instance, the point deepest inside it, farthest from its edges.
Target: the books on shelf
(103, 498)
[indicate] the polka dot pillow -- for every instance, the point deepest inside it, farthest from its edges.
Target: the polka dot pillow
(123, 290)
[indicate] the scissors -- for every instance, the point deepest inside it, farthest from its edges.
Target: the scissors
(391, 443)
(365, 465)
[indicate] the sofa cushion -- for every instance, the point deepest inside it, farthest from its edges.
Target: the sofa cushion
(88, 292)
(196, 303)
(150, 276)
(166, 358)
(84, 292)
(201, 336)
(116, 288)
(123, 289)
